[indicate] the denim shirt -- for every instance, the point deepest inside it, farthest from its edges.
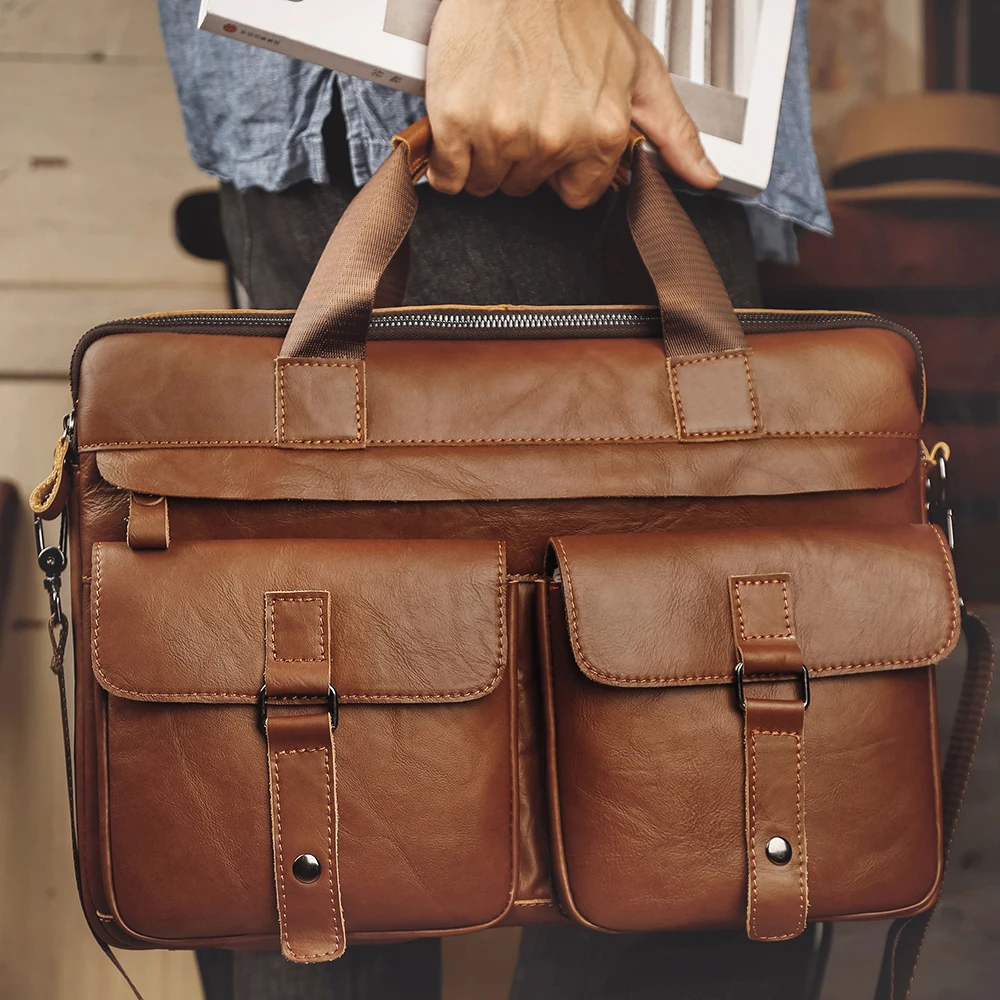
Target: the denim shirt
(255, 118)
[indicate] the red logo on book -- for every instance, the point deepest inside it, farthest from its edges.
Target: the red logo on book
(229, 27)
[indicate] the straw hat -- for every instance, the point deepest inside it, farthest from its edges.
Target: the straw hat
(925, 146)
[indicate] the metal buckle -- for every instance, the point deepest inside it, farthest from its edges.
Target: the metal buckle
(938, 507)
(332, 706)
(52, 561)
(738, 682)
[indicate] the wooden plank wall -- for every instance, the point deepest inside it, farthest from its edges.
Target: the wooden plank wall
(92, 159)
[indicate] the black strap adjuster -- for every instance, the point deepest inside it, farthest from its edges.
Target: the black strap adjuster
(332, 706)
(738, 683)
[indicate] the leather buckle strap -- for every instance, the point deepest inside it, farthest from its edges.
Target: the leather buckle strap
(298, 714)
(777, 879)
(777, 891)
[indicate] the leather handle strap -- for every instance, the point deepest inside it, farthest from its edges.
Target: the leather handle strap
(333, 317)
(906, 936)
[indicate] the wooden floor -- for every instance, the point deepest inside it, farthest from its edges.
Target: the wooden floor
(92, 159)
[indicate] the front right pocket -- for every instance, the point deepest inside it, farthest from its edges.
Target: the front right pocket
(646, 749)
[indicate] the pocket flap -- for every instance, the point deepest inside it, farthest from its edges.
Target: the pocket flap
(653, 610)
(410, 621)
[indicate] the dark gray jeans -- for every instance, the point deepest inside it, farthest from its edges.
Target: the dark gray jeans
(531, 251)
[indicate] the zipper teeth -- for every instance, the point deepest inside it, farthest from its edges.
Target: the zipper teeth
(522, 321)
(511, 320)
(502, 320)
(203, 319)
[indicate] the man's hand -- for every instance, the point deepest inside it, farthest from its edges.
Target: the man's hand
(520, 92)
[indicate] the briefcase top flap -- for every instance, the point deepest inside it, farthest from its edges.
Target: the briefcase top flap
(658, 610)
(408, 621)
(213, 415)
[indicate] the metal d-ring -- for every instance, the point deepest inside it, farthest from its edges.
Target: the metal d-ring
(332, 706)
(738, 682)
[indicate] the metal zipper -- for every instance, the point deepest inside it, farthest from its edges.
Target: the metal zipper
(511, 320)
(576, 322)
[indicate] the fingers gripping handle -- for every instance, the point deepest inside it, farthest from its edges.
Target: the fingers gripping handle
(333, 318)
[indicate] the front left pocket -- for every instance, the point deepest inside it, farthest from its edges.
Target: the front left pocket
(415, 633)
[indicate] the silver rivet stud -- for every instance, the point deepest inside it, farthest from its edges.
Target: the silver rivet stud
(778, 851)
(306, 868)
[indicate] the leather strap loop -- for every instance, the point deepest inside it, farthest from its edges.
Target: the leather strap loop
(48, 498)
(148, 525)
(762, 624)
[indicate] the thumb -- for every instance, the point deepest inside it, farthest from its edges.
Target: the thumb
(659, 113)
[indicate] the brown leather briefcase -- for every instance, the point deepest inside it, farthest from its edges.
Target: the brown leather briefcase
(412, 621)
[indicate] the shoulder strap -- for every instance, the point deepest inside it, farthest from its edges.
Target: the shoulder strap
(906, 936)
(58, 635)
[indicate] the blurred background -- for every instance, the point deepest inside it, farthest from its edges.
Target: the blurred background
(93, 165)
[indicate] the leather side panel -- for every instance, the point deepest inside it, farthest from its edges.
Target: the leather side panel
(535, 899)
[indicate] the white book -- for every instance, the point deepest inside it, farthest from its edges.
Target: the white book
(727, 57)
